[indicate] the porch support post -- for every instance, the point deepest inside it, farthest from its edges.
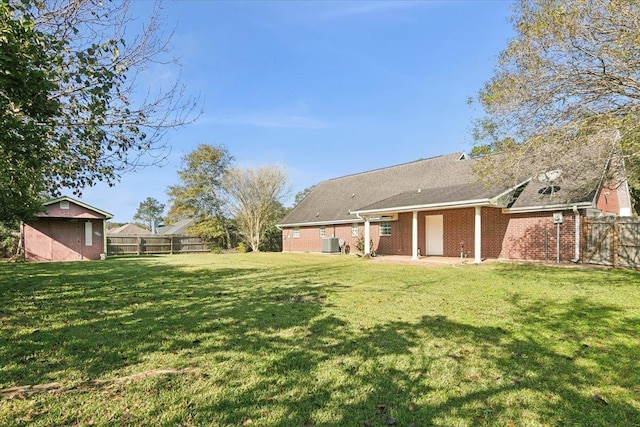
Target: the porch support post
(367, 236)
(478, 237)
(414, 236)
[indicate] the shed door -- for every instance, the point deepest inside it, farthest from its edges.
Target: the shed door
(67, 241)
(435, 236)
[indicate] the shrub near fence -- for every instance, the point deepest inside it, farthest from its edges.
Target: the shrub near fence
(612, 241)
(154, 245)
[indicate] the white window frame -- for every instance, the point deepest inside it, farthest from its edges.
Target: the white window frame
(385, 228)
(354, 229)
(323, 231)
(296, 232)
(64, 204)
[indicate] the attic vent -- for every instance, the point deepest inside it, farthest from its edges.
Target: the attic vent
(463, 156)
(353, 195)
(64, 204)
(549, 190)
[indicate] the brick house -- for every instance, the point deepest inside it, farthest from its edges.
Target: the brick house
(68, 230)
(436, 207)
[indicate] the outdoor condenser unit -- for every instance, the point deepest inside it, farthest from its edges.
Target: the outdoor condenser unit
(330, 245)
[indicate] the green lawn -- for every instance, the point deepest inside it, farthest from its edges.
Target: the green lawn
(304, 340)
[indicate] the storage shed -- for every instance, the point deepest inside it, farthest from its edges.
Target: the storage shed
(68, 230)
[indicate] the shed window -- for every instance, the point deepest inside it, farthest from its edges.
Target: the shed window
(354, 229)
(385, 228)
(296, 232)
(64, 204)
(323, 231)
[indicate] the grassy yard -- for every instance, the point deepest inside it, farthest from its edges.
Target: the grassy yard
(304, 340)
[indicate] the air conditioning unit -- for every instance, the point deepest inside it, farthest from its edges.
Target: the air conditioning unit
(330, 245)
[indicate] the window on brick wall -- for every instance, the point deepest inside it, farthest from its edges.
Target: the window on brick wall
(385, 228)
(323, 231)
(296, 232)
(354, 229)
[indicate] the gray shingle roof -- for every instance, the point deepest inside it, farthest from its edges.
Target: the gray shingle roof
(177, 228)
(443, 180)
(128, 229)
(434, 196)
(446, 178)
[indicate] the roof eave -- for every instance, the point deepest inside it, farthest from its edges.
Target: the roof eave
(431, 206)
(315, 223)
(546, 208)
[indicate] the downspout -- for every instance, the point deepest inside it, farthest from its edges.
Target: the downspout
(576, 222)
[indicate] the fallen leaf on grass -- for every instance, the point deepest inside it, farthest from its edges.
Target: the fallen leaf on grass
(247, 422)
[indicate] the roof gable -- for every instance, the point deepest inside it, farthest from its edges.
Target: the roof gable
(67, 207)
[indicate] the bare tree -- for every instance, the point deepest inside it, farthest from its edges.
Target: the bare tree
(109, 117)
(566, 90)
(255, 199)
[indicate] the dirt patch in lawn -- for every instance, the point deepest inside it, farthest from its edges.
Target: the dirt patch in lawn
(23, 392)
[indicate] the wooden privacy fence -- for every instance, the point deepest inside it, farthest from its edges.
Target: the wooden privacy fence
(612, 241)
(152, 245)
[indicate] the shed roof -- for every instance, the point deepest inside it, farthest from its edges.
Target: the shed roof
(87, 211)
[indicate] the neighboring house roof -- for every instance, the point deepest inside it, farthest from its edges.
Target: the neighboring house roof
(130, 230)
(177, 228)
(445, 181)
(52, 202)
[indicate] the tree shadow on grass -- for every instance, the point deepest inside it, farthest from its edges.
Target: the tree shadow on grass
(270, 349)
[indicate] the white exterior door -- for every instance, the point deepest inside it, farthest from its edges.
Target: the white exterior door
(435, 236)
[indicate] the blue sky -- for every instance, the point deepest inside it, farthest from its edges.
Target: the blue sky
(323, 89)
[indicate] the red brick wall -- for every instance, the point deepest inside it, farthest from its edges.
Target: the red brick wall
(607, 201)
(510, 236)
(526, 234)
(310, 240)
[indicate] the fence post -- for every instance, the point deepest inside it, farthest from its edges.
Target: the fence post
(139, 245)
(615, 241)
(171, 241)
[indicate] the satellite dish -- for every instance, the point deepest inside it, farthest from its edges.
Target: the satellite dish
(550, 176)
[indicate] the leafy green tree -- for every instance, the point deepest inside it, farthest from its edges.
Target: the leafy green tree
(272, 241)
(27, 103)
(300, 195)
(567, 84)
(200, 194)
(149, 211)
(69, 97)
(254, 200)
(211, 230)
